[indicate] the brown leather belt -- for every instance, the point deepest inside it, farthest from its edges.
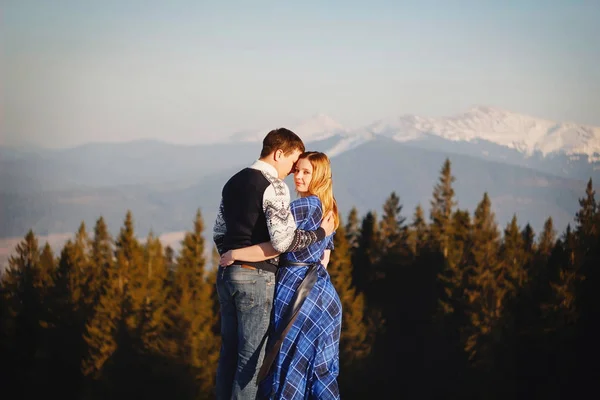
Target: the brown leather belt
(247, 266)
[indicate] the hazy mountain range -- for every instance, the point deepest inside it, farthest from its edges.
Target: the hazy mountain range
(529, 166)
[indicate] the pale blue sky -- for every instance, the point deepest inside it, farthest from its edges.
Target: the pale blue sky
(191, 71)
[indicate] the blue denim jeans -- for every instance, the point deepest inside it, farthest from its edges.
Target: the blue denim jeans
(246, 300)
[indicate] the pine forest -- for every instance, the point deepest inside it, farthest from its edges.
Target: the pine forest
(438, 302)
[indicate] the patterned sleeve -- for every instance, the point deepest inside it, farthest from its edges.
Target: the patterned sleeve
(219, 229)
(280, 220)
(330, 245)
(309, 208)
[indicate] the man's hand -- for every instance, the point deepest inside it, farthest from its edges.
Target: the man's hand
(327, 223)
(226, 259)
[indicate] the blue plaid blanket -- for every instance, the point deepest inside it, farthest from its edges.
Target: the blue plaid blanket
(307, 365)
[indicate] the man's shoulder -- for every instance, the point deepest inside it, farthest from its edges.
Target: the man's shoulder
(280, 188)
(248, 176)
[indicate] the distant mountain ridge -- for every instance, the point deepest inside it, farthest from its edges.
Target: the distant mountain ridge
(526, 134)
(564, 149)
(523, 133)
(52, 191)
(363, 176)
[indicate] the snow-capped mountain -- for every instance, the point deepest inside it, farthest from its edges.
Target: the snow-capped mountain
(349, 142)
(523, 133)
(526, 134)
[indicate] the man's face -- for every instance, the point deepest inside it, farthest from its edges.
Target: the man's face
(286, 163)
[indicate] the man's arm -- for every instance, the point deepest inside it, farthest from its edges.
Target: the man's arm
(219, 229)
(281, 224)
(258, 252)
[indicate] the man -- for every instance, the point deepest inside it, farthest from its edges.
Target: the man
(255, 208)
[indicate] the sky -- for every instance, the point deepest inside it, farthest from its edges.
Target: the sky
(74, 72)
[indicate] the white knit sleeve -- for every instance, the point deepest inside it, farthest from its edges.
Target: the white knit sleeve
(280, 220)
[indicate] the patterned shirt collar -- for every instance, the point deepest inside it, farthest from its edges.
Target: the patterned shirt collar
(265, 167)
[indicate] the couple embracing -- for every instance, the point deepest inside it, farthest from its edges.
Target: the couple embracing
(280, 314)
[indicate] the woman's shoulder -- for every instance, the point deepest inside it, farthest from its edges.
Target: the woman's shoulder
(306, 206)
(309, 201)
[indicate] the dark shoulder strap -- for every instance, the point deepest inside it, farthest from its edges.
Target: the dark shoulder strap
(299, 296)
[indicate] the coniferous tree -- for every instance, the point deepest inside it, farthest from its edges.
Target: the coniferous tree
(102, 260)
(547, 240)
(442, 207)
(585, 220)
(132, 277)
(487, 287)
(72, 276)
(192, 310)
(23, 283)
(418, 233)
(72, 306)
(516, 316)
(354, 340)
(47, 265)
(511, 324)
(170, 265)
(512, 254)
(446, 253)
(102, 330)
(211, 280)
(392, 232)
(169, 258)
(352, 229)
(461, 240)
(586, 275)
(561, 309)
(154, 325)
(529, 239)
(366, 256)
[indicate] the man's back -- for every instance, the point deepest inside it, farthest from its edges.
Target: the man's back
(243, 212)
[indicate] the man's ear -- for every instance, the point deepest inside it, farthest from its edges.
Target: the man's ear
(278, 154)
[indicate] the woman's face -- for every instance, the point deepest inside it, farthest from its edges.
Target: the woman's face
(303, 175)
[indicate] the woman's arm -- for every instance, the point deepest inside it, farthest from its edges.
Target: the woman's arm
(325, 258)
(258, 252)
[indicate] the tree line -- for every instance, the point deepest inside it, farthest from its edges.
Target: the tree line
(442, 305)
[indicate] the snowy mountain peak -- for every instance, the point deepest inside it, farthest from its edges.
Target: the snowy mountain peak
(524, 133)
(521, 132)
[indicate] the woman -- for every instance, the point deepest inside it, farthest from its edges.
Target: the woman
(306, 364)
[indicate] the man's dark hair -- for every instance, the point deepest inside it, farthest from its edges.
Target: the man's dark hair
(283, 139)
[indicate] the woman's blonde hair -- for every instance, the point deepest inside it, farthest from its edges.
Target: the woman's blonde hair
(320, 184)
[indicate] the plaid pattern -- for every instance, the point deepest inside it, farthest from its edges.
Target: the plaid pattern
(308, 212)
(307, 365)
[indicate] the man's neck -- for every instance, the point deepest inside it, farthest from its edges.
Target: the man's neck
(266, 166)
(270, 161)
